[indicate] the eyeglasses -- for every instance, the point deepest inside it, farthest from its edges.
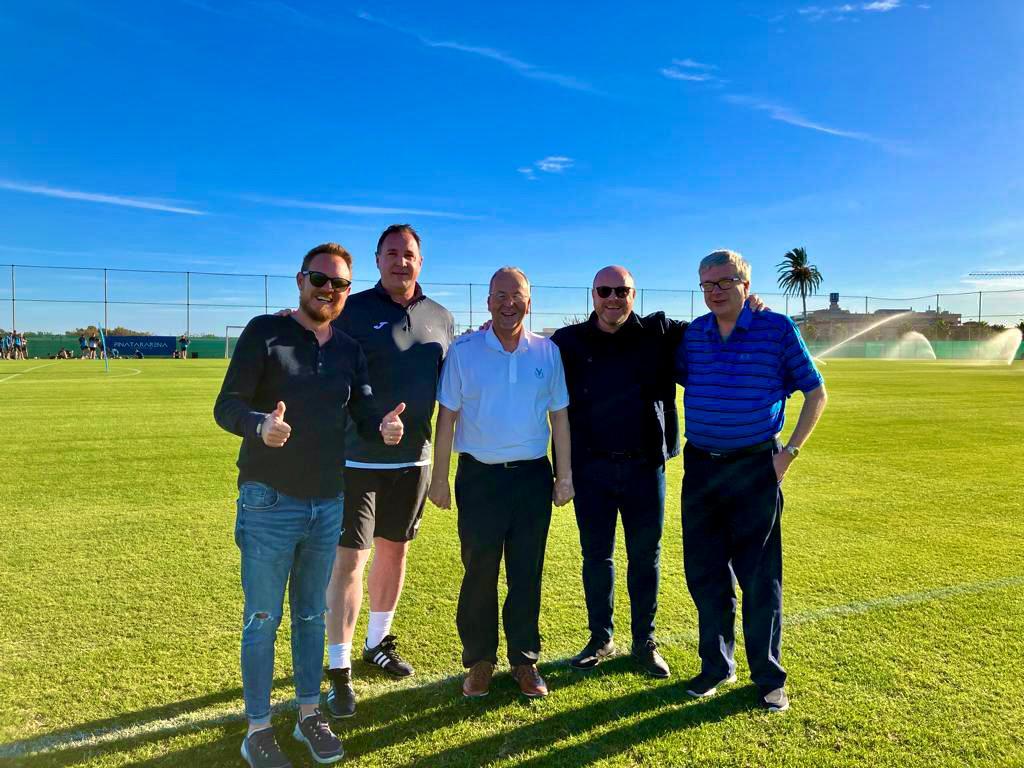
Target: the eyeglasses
(621, 291)
(319, 280)
(724, 284)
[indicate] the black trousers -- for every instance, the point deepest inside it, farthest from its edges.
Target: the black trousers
(504, 509)
(732, 515)
(636, 490)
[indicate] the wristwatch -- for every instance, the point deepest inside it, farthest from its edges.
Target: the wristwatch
(792, 450)
(259, 428)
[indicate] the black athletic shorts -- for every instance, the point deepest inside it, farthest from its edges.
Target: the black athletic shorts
(385, 503)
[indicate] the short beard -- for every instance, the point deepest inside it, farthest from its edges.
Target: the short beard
(318, 312)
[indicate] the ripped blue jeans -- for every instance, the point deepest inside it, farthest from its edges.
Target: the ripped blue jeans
(283, 540)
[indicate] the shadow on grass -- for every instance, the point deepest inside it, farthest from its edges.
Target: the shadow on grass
(404, 715)
(142, 719)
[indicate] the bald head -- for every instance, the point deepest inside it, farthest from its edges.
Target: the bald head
(613, 294)
(614, 275)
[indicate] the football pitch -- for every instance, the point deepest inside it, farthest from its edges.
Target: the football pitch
(120, 606)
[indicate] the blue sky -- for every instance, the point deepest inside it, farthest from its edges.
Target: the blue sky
(884, 137)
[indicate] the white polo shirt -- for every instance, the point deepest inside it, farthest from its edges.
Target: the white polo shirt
(503, 398)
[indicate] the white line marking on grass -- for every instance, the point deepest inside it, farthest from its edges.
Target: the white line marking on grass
(99, 377)
(898, 601)
(221, 714)
(27, 370)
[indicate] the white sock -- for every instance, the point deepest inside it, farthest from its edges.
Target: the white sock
(339, 656)
(380, 625)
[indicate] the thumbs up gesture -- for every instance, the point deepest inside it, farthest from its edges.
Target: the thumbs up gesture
(391, 427)
(275, 430)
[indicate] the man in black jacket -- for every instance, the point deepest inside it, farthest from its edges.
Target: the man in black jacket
(291, 387)
(405, 336)
(622, 418)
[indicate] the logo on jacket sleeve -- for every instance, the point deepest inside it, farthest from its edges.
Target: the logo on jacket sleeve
(380, 325)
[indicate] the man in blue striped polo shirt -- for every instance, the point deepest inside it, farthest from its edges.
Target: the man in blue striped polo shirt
(738, 369)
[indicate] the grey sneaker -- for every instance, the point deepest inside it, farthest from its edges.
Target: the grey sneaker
(775, 700)
(260, 750)
(316, 733)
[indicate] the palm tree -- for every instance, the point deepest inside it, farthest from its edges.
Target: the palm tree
(1020, 327)
(796, 276)
(941, 329)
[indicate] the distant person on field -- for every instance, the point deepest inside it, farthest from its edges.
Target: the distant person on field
(93, 344)
(83, 345)
(738, 369)
(183, 343)
(499, 391)
(291, 387)
(19, 352)
(5, 346)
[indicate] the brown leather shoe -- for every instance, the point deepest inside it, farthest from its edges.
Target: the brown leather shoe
(478, 680)
(530, 682)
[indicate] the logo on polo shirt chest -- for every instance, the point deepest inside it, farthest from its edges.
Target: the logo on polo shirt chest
(538, 372)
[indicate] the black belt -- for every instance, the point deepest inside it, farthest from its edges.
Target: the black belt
(506, 464)
(772, 444)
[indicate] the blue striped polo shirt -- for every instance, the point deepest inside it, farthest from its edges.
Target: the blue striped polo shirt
(736, 390)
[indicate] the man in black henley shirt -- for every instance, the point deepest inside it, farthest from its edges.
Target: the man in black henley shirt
(290, 389)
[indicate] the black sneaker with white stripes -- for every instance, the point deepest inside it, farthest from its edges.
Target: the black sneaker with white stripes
(341, 699)
(386, 657)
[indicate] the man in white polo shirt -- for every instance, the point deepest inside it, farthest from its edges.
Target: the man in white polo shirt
(498, 391)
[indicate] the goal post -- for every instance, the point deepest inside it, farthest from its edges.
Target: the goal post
(229, 340)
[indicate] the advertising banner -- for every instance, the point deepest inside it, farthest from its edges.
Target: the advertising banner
(150, 346)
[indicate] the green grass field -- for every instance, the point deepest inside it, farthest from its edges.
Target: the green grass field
(120, 605)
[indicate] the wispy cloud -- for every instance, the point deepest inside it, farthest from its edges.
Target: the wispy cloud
(692, 71)
(96, 197)
(839, 12)
(523, 68)
(549, 164)
(359, 210)
(791, 117)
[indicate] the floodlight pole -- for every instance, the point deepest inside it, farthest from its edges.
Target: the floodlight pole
(936, 305)
(979, 307)
(106, 319)
(641, 301)
(266, 296)
(691, 306)
(188, 304)
(14, 301)
(471, 305)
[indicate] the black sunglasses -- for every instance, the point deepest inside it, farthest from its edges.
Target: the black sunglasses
(621, 291)
(319, 280)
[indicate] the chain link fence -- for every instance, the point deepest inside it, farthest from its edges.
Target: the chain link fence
(43, 300)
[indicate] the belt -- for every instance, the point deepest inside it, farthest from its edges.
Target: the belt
(505, 464)
(772, 444)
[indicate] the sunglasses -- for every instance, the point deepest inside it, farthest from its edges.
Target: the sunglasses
(319, 280)
(621, 291)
